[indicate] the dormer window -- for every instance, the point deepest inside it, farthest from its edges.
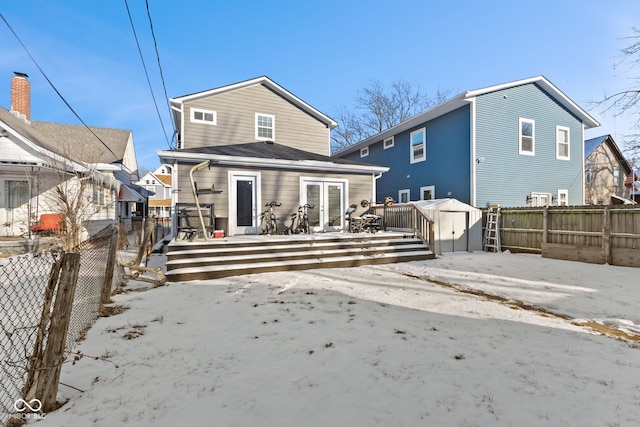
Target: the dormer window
(204, 116)
(265, 127)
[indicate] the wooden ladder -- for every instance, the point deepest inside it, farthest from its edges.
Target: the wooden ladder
(492, 230)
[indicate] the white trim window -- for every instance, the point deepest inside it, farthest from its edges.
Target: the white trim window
(388, 143)
(563, 197)
(418, 145)
(562, 143)
(204, 116)
(539, 199)
(404, 196)
(428, 192)
(526, 137)
(616, 177)
(364, 151)
(265, 127)
(587, 173)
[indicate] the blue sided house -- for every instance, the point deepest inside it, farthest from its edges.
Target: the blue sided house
(514, 144)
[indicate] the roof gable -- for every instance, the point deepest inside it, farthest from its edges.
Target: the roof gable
(268, 83)
(592, 144)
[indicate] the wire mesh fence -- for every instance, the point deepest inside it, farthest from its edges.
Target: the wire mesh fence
(23, 280)
(27, 295)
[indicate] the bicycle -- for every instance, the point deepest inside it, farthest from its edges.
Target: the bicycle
(303, 218)
(269, 218)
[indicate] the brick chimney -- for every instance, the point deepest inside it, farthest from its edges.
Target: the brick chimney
(21, 95)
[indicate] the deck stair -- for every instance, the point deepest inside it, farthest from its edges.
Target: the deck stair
(232, 256)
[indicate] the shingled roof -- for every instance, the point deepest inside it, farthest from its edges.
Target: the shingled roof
(91, 145)
(266, 150)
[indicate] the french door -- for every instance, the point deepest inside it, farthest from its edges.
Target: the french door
(243, 204)
(328, 199)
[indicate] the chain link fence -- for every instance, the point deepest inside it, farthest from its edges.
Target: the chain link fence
(27, 294)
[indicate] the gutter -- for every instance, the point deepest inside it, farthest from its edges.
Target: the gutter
(309, 165)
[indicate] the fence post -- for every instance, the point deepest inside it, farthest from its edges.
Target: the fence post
(606, 235)
(47, 386)
(545, 224)
(34, 369)
(111, 261)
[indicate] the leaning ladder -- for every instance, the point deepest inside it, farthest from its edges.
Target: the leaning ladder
(492, 230)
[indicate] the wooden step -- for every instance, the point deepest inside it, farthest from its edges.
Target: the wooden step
(231, 256)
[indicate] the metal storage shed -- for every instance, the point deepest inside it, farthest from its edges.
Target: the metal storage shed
(457, 225)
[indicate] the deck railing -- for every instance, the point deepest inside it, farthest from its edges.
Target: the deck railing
(406, 218)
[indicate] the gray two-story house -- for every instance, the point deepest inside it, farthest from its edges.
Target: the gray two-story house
(254, 142)
(514, 144)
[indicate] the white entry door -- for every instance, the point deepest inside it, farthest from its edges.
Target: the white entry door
(327, 197)
(243, 204)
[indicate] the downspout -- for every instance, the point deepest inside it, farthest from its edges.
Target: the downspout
(472, 141)
(197, 167)
(375, 187)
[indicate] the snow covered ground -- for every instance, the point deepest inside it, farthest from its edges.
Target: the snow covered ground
(448, 342)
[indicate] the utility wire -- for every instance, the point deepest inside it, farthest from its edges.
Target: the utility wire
(135, 35)
(54, 88)
(164, 87)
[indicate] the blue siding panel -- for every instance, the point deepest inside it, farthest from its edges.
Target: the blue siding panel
(506, 177)
(446, 166)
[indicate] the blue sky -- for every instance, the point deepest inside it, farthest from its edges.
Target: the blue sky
(323, 52)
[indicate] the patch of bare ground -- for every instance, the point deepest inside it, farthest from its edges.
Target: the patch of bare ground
(600, 328)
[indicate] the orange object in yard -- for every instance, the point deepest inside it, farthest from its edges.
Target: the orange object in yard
(218, 234)
(49, 222)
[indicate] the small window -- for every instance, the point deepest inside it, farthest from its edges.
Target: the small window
(587, 173)
(265, 125)
(418, 140)
(527, 133)
(563, 197)
(404, 196)
(204, 116)
(387, 143)
(539, 199)
(16, 194)
(428, 192)
(562, 143)
(364, 152)
(616, 177)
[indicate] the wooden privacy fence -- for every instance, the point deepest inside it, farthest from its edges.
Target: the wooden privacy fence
(596, 234)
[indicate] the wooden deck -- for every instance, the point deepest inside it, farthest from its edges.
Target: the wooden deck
(238, 255)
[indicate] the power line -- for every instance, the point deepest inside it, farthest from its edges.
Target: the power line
(164, 87)
(54, 88)
(144, 66)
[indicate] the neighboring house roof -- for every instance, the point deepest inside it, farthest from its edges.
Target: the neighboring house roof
(165, 179)
(269, 154)
(590, 145)
(464, 98)
(265, 81)
(35, 138)
(89, 144)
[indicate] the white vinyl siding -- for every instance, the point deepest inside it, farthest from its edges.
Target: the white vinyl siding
(418, 143)
(527, 141)
(204, 116)
(265, 127)
(562, 143)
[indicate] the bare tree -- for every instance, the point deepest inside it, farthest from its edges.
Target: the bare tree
(377, 109)
(78, 192)
(627, 101)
